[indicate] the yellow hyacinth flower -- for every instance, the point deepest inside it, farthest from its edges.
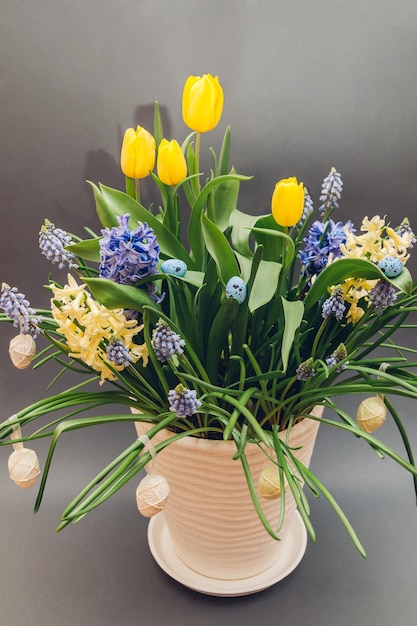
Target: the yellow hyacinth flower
(88, 327)
(202, 102)
(137, 157)
(171, 165)
(288, 201)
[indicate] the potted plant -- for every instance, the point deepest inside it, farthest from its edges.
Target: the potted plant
(219, 330)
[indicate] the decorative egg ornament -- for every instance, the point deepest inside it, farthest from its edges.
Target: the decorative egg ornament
(371, 414)
(269, 484)
(152, 494)
(22, 349)
(23, 467)
(391, 266)
(174, 267)
(236, 288)
(23, 463)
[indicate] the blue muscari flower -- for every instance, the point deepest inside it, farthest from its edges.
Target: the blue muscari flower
(52, 243)
(382, 295)
(308, 205)
(183, 401)
(338, 355)
(331, 191)
(166, 342)
(118, 353)
(323, 239)
(127, 256)
(335, 305)
(18, 309)
(305, 370)
(404, 228)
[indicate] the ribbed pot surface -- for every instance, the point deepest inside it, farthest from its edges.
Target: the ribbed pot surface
(210, 515)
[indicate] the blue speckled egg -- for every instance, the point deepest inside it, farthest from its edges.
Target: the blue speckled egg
(174, 267)
(236, 288)
(391, 266)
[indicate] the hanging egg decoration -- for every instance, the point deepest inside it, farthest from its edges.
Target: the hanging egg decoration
(236, 288)
(391, 266)
(22, 349)
(371, 414)
(269, 484)
(152, 494)
(174, 267)
(23, 467)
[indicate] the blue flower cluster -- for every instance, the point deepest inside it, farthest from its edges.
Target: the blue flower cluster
(335, 305)
(323, 240)
(128, 256)
(52, 243)
(183, 401)
(331, 191)
(165, 342)
(118, 354)
(382, 295)
(18, 309)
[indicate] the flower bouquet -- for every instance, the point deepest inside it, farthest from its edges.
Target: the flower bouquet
(213, 323)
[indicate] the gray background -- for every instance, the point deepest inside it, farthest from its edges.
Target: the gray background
(308, 85)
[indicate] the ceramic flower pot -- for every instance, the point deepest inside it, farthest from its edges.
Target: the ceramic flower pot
(212, 523)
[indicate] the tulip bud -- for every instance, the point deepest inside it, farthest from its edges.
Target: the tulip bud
(288, 201)
(138, 153)
(371, 414)
(202, 102)
(171, 164)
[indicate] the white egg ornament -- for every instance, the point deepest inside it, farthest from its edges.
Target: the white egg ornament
(23, 463)
(236, 288)
(152, 494)
(22, 349)
(391, 266)
(24, 468)
(174, 267)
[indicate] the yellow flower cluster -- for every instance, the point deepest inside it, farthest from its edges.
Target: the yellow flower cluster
(88, 327)
(377, 240)
(353, 290)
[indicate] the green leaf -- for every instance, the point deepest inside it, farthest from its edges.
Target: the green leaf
(341, 269)
(225, 201)
(194, 225)
(219, 249)
(274, 242)
(112, 203)
(158, 130)
(264, 285)
(192, 278)
(218, 335)
(293, 316)
(88, 249)
(223, 164)
(115, 296)
(241, 224)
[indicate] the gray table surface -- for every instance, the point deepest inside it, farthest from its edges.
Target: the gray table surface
(100, 571)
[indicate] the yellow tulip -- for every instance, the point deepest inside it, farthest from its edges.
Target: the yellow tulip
(171, 165)
(137, 157)
(288, 201)
(202, 102)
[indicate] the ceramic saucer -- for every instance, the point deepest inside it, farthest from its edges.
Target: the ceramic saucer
(161, 548)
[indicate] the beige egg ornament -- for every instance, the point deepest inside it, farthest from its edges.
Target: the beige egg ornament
(22, 349)
(371, 414)
(152, 494)
(24, 467)
(269, 484)
(23, 462)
